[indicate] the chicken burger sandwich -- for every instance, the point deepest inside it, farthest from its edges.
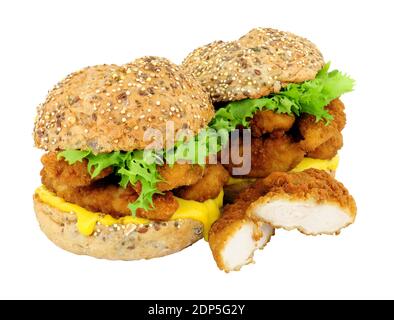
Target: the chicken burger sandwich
(278, 86)
(111, 191)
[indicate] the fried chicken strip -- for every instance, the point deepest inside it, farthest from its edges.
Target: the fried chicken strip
(110, 198)
(328, 149)
(75, 175)
(180, 174)
(268, 121)
(278, 152)
(209, 187)
(317, 133)
(74, 184)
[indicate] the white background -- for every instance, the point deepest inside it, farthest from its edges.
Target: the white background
(42, 41)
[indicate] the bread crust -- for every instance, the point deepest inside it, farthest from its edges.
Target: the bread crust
(109, 107)
(261, 62)
(118, 242)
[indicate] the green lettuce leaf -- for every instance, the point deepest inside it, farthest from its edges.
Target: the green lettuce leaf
(308, 97)
(73, 156)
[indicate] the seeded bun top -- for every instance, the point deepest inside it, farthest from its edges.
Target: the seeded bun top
(108, 107)
(259, 63)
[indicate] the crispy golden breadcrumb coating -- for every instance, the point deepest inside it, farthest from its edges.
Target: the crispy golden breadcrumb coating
(328, 149)
(280, 142)
(112, 199)
(179, 175)
(304, 185)
(278, 152)
(209, 187)
(311, 201)
(316, 133)
(75, 175)
(268, 121)
(231, 213)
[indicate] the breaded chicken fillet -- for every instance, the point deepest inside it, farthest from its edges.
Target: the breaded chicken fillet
(320, 135)
(277, 152)
(209, 187)
(311, 201)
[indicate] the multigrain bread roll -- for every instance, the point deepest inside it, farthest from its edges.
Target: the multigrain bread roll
(108, 107)
(96, 120)
(259, 63)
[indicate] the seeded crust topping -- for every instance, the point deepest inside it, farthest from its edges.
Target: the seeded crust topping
(107, 108)
(258, 64)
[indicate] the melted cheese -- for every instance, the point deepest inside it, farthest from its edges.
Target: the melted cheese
(308, 163)
(206, 212)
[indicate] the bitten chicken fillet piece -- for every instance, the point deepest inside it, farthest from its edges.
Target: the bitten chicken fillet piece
(310, 201)
(234, 237)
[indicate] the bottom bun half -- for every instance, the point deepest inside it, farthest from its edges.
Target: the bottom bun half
(117, 242)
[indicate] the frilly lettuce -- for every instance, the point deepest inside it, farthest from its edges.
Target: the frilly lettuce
(141, 167)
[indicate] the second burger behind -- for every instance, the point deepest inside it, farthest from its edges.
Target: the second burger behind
(278, 85)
